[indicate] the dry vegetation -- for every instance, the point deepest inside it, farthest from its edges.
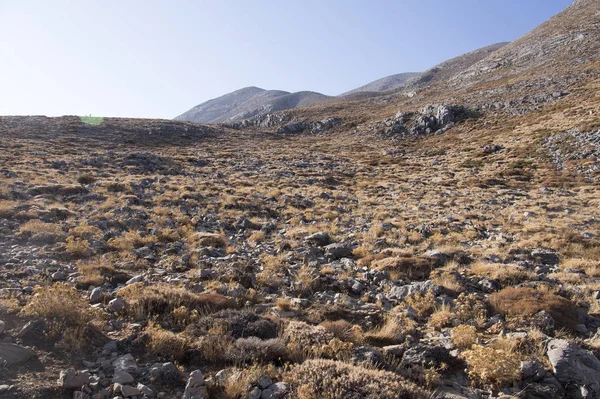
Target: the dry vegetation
(341, 265)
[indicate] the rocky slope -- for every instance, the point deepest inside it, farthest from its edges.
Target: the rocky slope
(444, 244)
(389, 83)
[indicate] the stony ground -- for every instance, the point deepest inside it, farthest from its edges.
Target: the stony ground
(165, 259)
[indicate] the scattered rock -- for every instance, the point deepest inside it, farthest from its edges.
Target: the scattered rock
(72, 379)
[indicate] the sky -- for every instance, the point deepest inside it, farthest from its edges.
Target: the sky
(157, 59)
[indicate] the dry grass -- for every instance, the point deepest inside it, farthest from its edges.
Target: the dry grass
(490, 367)
(464, 336)
(523, 303)
(160, 301)
(330, 379)
(501, 272)
(65, 312)
(167, 344)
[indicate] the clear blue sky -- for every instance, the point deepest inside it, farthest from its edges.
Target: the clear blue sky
(144, 58)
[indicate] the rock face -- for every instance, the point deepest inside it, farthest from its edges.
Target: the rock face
(575, 368)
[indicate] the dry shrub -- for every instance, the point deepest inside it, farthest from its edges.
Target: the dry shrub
(42, 233)
(423, 304)
(393, 331)
(167, 344)
(412, 268)
(524, 302)
(304, 340)
(210, 240)
(504, 273)
(78, 247)
(490, 367)
(255, 349)
(161, 300)
(344, 330)
(464, 336)
(441, 317)
(329, 379)
(94, 271)
(470, 307)
(84, 230)
(116, 187)
(337, 349)
(591, 267)
(65, 312)
(86, 179)
(283, 304)
(7, 209)
(131, 240)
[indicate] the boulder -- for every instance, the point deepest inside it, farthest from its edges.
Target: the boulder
(12, 354)
(72, 379)
(338, 250)
(195, 387)
(422, 287)
(576, 369)
(2, 326)
(320, 239)
(126, 363)
(117, 304)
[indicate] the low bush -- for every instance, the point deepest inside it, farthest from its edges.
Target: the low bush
(522, 302)
(329, 379)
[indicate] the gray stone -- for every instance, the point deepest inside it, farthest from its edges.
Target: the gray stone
(145, 390)
(126, 363)
(276, 391)
(576, 369)
(96, 295)
(129, 391)
(254, 393)
(12, 354)
(2, 326)
(532, 370)
(117, 304)
(72, 379)
(122, 377)
(135, 279)
(59, 276)
(264, 381)
(195, 387)
(321, 239)
(545, 256)
(402, 292)
(338, 250)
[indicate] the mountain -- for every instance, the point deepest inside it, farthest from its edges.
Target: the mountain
(389, 83)
(248, 102)
(560, 45)
(254, 102)
(447, 69)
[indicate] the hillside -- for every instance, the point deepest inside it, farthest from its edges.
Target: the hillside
(437, 241)
(389, 83)
(248, 102)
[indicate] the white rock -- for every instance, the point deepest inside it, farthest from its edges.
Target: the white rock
(2, 326)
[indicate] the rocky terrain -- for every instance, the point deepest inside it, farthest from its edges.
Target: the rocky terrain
(442, 244)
